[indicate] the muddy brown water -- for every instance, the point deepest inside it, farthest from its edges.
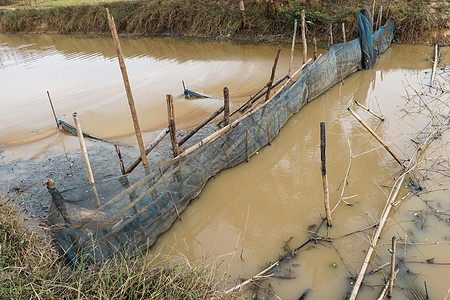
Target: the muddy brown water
(244, 216)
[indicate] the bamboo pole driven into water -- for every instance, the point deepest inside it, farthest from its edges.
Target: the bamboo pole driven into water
(305, 49)
(392, 274)
(272, 75)
(376, 137)
(292, 47)
(343, 32)
(243, 16)
(53, 109)
(435, 63)
(126, 82)
(119, 155)
(172, 126)
(268, 135)
(326, 194)
(226, 104)
(315, 48)
(85, 157)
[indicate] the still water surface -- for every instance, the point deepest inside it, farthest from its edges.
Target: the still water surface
(245, 214)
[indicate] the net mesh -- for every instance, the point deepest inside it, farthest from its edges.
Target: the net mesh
(129, 212)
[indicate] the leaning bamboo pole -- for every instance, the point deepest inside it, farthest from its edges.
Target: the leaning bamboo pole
(435, 63)
(126, 82)
(53, 109)
(272, 75)
(387, 208)
(326, 194)
(305, 49)
(292, 47)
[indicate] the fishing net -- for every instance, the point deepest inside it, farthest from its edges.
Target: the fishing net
(131, 211)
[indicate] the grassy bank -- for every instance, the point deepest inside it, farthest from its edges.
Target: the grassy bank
(416, 20)
(30, 269)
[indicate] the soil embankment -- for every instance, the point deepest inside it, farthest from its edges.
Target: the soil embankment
(420, 21)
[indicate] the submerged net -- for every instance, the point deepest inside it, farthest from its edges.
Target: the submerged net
(133, 210)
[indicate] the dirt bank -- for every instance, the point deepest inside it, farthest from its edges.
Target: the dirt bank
(419, 21)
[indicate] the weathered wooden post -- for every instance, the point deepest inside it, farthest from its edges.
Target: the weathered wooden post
(305, 49)
(126, 82)
(330, 39)
(343, 32)
(315, 49)
(243, 16)
(86, 158)
(53, 109)
(392, 274)
(172, 127)
(226, 104)
(272, 75)
(292, 47)
(324, 173)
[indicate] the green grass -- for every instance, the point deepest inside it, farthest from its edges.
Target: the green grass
(31, 269)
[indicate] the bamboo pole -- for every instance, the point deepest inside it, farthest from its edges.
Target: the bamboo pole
(324, 173)
(331, 36)
(226, 104)
(365, 108)
(305, 49)
(243, 16)
(377, 137)
(268, 135)
(315, 48)
(126, 82)
(292, 47)
(201, 125)
(435, 63)
(53, 109)
(259, 94)
(272, 75)
(343, 32)
(148, 149)
(86, 158)
(246, 143)
(373, 11)
(172, 126)
(392, 274)
(380, 14)
(119, 155)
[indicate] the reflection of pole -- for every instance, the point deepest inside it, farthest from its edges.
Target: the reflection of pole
(126, 82)
(53, 109)
(86, 158)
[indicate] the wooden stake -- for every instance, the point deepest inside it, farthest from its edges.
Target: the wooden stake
(373, 11)
(173, 201)
(149, 148)
(268, 135)
(53, 109)
(343, 32)
(119, 155)
(392, 275)
(365, 108)
(86, 158)
(172, 127)
(226, 104)
(292, 47)
(272, 75)
(315, 48)
(376, 136)
(126, 82)
(244, 18)
(324, 173)
(246, 143)
(305, 49)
